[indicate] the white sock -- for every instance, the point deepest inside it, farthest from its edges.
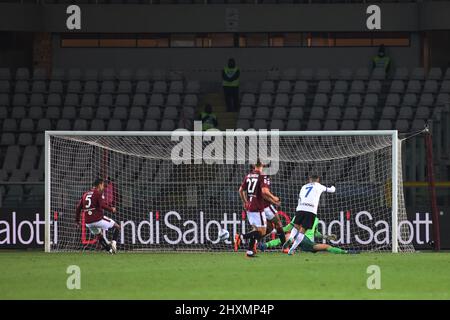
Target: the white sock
(297, 241)
(294, 232)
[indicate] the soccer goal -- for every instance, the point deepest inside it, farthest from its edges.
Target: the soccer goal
(175, 191)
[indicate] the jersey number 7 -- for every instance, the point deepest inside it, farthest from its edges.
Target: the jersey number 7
(309, 190)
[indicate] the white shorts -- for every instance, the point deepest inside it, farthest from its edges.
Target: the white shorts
(97, 226)
(257, 219)
(270, 212)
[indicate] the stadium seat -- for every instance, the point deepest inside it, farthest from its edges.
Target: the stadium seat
(91, 75)
(260, 124)
(367, 113)
(22, 74)
(354, 100)
(114, 125)
(80, 125)
(86, 113)
(293, 125)
(324, 86)
(445, 86)
(426, 99)
(397, 86)
(357, 86)
(273, 74)
(133, 125)
(123, 100)
(39, 87)
(393, 99)
(348, 125)
(245, 113)
(401, 74)
(58, 74)
(317, 113)
(389, 113)
(4, 100)
(107, 74)
(18, 112)
(409, 99)
(418, 74)
(265, 100)
(422, 112)
(402, 125)
(277, 124)
(91, 87)
(192, 87)
(5, 74)
(74, 74)
(337, 100)
(301, 87)
(159, 87)
(26, 125)
(289, 74)
(88, 100)
(120, 113)
(370, 100)
(170, 113)
(306, 74)
(173, 100)
(340, 86)
(156, 100)
(19, 100)
(124, 86)
(9, 125)
(7, 139)
(97, 125)
(140, 100)
(434, 74)
(351, 113)
(320, 100)
(334, 113)
(243, 124)
(69, 112)
(125, 74)
(176, 87)
(150, 125)
(4, 86)
(284, 87)
(364, 124)
(414, 86)
(279, 113)
(406, 112)
(417, 125)
(296, 113)
(142, 74)
(362, 74)
(43, 125)
(36, 99)
(3, 112)
(374, 86)
(143, 86)
(136, 113)
(267, 87)
(167, 125)
(262, 113)
(345, 74)
(54, 100)
(11, 158)
(108, 86)
(384, 124)
(63, 125)
(53, 113)
(378, 74)
(17, 175)
(314, 125)
(154, 112)
(74, 86)
(322, 74)
(55, 86)
(106, 100)
(21, 87)
(330, 124)
(281, 100)
(430, 86)
(35, 113)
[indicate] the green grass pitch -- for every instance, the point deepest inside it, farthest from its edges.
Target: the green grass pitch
(37, 275)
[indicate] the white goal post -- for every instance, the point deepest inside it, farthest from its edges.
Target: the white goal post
(165, 205)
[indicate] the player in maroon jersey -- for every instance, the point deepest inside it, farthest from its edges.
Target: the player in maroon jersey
(254, 192)
(92, 205)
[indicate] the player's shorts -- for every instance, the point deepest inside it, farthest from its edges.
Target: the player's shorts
(307, 245)
(257, 219)
(305, 219)
(97, 226)
(270, 212)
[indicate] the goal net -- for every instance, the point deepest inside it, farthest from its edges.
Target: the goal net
(176, 193)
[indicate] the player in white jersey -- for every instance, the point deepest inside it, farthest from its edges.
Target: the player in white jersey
(308, 203)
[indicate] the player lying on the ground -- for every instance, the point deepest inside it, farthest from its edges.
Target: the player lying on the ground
(307, 246)
(92, 206)
(308, 203)
(254, 192)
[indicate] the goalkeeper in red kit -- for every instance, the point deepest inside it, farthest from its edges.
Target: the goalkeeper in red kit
(92, 205)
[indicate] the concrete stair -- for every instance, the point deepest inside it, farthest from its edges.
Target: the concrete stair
(226, 120)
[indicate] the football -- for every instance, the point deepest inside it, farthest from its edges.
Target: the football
(224, 234)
